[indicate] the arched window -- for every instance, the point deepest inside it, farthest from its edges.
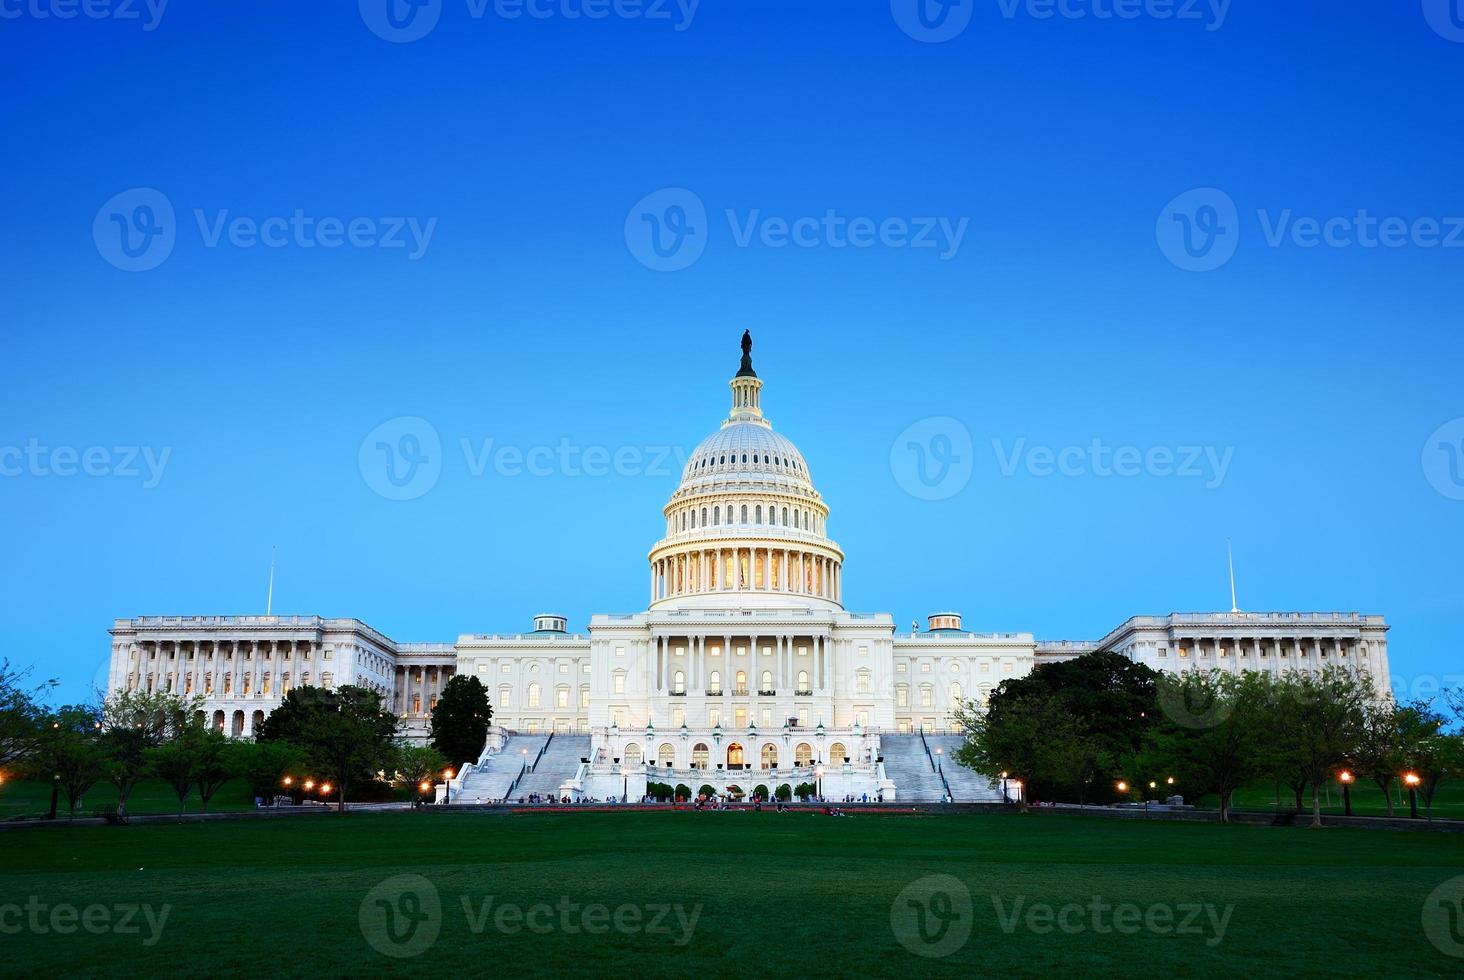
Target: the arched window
(767, 681)
(837, 754)
(803, 754)
(744, 513)
(955, 694)
(717, 515)
(770, 756)
(803, 681)
(785, 516)
(795, 518)
(700, 755)
(632, 754)
(533, 695)
(667, 755)
(714, 681)
(704, 517)
(678, 682)
(741, 682)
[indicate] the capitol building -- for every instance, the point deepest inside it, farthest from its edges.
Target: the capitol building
(744, 672)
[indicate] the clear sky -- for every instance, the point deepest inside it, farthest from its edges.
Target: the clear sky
(996, 251)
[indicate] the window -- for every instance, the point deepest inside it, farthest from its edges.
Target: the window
(838, 754)
(925, 696)
(714, 717)
(506, 668)
(766, 684)
(618, 682)
(925, 667)
(564, 668)
(803, 681)
(803, 754)
(667, 755)
(955, 695)
(534, 691)
(678, 717)
(584, 697)
(700, 755)
(561, 697)
(902, 696)
(902, 668)
(633, 754)
(678, 682)
(586, 668)
(862, 682)
(714, 681)
(741, 682)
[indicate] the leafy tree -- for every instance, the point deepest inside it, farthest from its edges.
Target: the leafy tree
(1216, 745)
(783, 792)
(345, 733)
(70, 753)
(1021, 735)
(211, 764)
(1104, 704)
(133, 722)
(418, 764)
(1380, 753)
(21, 716)
(1430, 753)
(1316, 720)
(263, 765)
(460, 719)
(175, 763)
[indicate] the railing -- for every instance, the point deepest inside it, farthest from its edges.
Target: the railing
(803, 694)
(508, 793)
(715, 694)
(542, 749)
(767, 694)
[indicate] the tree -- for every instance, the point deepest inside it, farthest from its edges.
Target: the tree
(1215, 744)
(1427, 751)
(263, 765)
(418, 764)
(133, 722)
(21, 716)
(460, 719)
(345, 733)
(175, 763)
(1317, 719)
(70, 754)
(211, 766)
(1104, 703)
(1380, 753)
(1022, 736)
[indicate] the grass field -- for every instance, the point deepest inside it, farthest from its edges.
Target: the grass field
(742, 892)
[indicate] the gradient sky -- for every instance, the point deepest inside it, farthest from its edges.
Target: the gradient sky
(530, 320)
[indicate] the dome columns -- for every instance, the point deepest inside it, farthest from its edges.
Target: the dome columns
(734, 568)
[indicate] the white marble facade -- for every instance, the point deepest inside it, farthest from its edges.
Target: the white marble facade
(744, 658)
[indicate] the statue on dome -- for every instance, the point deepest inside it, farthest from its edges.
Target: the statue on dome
(746, 370)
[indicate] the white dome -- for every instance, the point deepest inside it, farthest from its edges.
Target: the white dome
(742, 453)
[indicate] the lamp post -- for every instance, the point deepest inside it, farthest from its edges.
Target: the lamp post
(447, 786)
(1004, 797)
(938, 753)
(818, 782)
(1411, 780)
(625, 783)
(1345, 778)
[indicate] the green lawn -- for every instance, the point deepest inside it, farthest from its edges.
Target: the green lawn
(29, 798)
(1367, 800)
(800, 893)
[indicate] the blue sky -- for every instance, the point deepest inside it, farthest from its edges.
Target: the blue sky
(1067, 150)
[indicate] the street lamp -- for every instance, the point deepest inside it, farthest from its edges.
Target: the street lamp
(1122, 786)
(309, 785)
(1345, 778)
(1004, 797)
(447, 786)
(818, 782)
(938, 753)
(1411, 780)
(625, 783)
